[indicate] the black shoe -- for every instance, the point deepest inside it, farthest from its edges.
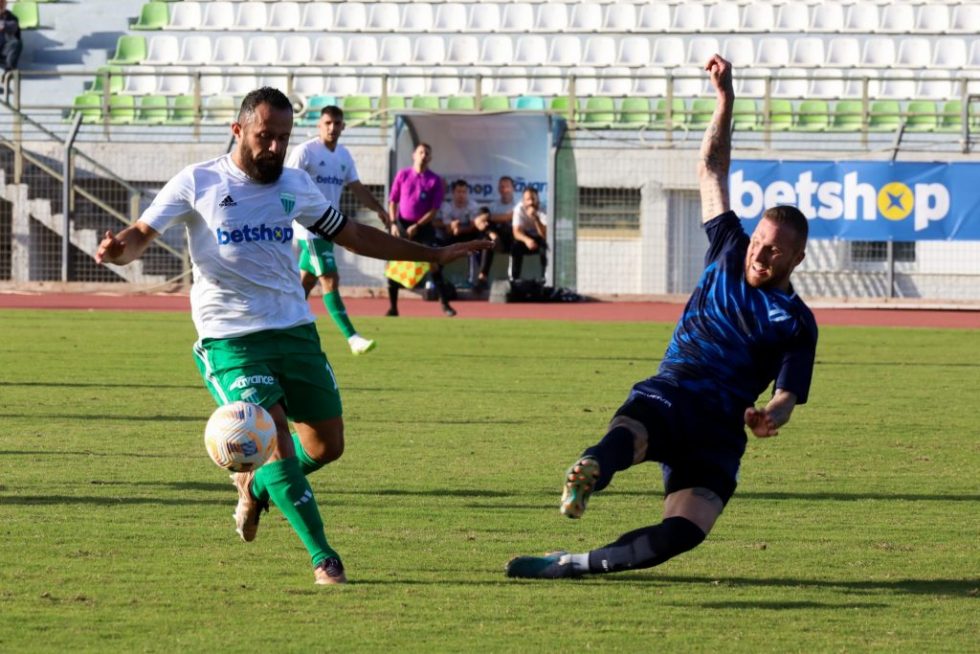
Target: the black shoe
(448, 310)
(392, 312)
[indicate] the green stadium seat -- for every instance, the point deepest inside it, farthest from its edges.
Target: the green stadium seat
(27, 15)
(426, 103)
(494, 103)
(357, 109)
(745, 115)
(89, 105)
(634, 112)
(884, 116)
(182, 111)
(678, 113)
(951, 119)
(397, 102)
(115, 76)
(461, 103)
(153, 16)
(122, 109)
(813, 116)
(702, 109)
(780, 114)
(130, 49)
(847, 116)
(152, 110)
(599, 111)
(923, 116)
(530, 103)
(311, 113)
(561, 105)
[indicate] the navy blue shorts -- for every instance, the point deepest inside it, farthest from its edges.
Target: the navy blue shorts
(694, 446)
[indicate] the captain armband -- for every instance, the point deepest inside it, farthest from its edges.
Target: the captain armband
(329, 224)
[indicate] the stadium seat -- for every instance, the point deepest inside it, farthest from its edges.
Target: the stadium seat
(972, 59)
(585, 17)
(807, 52)
(745, 115)
(407, 81)
(856, 80)
(791, 83)
(460, 103)
(827, 17)
(529, 103)
(444, 82)
(153, 16)
(463, 50)
(722, 17)
(426, 103)
(361, 51)
(498, 50)
(861, 17)
(261, 51)
(350, 17)
(340, 82)
(772, 52)
(212, 79)
(949, 53)
(843, 52)
(429, 50)
(383, 17)
(619, 17)
(130, 49)
(615, 81)
(792, 17)
(758, 17)
(530, 50)
(513, 83)
(395, 50)
(952, 117)
(152, 110)
(780, 114)
(936, 85)
(914, 53)
(586, 80)
(275, 77)
(884, 116)
(174, 80)
(228, 51)
(494, 103)
(827, 83)
(317, 17)
(308, 83)
(114, 75)
(251, 16)
(182, 111)
(846, 116)
(700, 49)
(634, 51)
(879, 52)
(813, 116)
(753, 84)
(688, 81)
(122, 109)
(218, 16)
(897, 17)
(517, 17)
(371, 82)
(933, 19)
(450, 17)
(89, 105)
(546, 81)
(471, 77)
(668, 51)
(27, 13)
(194, 51)
(965, 19)
(599, 51)
(599, 111)
(566, 50)
(483, 18)
(551, 18)
(240, 81)
(677, 115)
(328, 51)
(357, 109)
(294, 51)
(654, 18)
(185, 16)
(740, 50)
(219, 109)
(564, 106)
(284, 16)
(140, 80)
(417, 17)
(702, 109)
(650, 82)
(162, 50)
(634, 112)
(897, 84)
(311, 111)
(688, 17)
(922, 116)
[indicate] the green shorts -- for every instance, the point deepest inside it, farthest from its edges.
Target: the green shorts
(321, 260)
(276, 365)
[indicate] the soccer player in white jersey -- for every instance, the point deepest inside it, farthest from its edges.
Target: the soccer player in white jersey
(331, 167)
(257, 336)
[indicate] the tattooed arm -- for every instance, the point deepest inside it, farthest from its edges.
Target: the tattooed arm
(716, 147)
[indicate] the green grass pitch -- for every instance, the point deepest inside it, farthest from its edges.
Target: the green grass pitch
(856, 529)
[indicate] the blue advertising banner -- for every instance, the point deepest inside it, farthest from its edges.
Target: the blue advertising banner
(865, 200)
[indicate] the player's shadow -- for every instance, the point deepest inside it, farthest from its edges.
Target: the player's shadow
(106, 418)
(94, 500)
(790, 605)
(127, 455)
(95, 385)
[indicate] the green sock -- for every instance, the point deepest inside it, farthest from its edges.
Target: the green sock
(307, 464)
(283, 483)
(335, 306)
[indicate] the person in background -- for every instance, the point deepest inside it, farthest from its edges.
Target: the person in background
(497, 227)
(10, 43)
(458, 222)
(530, 233)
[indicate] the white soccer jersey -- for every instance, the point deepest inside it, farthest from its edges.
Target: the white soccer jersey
(330, 171)
(522, 220)
(240, 236)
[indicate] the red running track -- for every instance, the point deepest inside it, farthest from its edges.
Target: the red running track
(599, 311)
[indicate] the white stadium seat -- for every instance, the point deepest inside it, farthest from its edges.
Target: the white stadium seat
(551, 17)
(700, 49)
(350, 17)
(408, 81)
(897, 85)
(218, 16)
(467, 84)
(450, 17)
(212, 80)
(772, 52)
(361, 51)
(654, 17)
(162, 50)
(933, 18)
(429, 50)
(754, 86)
(228, 51)
(140, 80)
(687, 18)
(688, 81)
(284, 16)
(855, 81)
(370, 82)
(531, 50)
(443, 82)
(317, 17)
(949, 53)
(965, 19)
(586, 17)
(935, 85)
(340, 82)
(879, 52)
(758, 18)
(792, 17)
(827, 83)
(586, 82)
(843, 52)
(277, 78)
(240, 81)
(973, 59)
(740, 50)
(899, 18)
(512, 83)
(185, 16)
(566, 50)
(599, 51)
(417, 17)
(497, 50)
(195, 51)
(261, 51)
(619, 17)
(827, 17)
(650, 82)
(722, 17)
(861, 17)
(295, 51)
(463, 50)
(546, 81)
(791, 83)
(914, 53)
(383, 17)
(634, 51)
(517, 17)
(395, 51)
(615, 81)
(328, 51)
(808, 51)
(668, 51)
(483, 18)
(308, 82)
(251, 16)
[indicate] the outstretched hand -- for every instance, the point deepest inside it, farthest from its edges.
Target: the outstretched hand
(110, 249)
(720, 73)
(458, 250)
(760, 422)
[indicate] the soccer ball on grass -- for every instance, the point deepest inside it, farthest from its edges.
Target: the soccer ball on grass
(240, 436)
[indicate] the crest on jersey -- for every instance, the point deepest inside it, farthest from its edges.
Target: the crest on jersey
(288, 201)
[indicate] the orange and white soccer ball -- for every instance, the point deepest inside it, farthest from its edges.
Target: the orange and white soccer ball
(240, 436)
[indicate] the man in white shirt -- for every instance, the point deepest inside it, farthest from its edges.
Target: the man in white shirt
(530, 233)
(331, 167)
(460, 220)
(257, 336)
(498, 227)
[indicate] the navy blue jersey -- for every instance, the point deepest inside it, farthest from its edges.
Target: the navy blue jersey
(734, 340)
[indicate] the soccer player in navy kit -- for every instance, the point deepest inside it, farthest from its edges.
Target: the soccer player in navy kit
(742, 329)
